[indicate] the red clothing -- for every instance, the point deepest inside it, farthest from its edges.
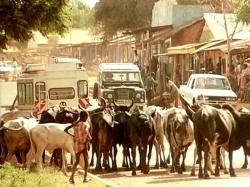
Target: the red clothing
(81, 136)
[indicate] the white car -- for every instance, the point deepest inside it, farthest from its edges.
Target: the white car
(5, 68)
(209, 89)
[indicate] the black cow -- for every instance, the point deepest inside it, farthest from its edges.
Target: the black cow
(214, 128)
(141, 133)
(243, 129)
(102, 137)
(120, 133)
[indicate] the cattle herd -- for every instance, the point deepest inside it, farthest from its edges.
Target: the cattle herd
(215, 129)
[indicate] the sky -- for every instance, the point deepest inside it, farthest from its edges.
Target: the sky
(91, 3)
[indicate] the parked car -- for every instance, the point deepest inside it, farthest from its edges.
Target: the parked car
(209, 89)
(5, 68)
(120, 82)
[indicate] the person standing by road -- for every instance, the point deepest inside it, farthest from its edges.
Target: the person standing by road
(173, 90)
(150, 84)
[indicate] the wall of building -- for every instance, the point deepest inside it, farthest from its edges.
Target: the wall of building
(168, 12)
(188, 35)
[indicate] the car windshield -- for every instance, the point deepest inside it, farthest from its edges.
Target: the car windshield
(212, 83)
(121, 76)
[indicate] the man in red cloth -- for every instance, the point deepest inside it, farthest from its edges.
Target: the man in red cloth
(81, 141)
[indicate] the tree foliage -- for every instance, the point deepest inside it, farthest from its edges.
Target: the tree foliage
(81, 14)
(18, 18)
(243, 11)
(112, 16)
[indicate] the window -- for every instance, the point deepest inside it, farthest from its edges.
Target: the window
(121, 76)
(61, 93)
(82, 86)
(40, 91)
(25, 93)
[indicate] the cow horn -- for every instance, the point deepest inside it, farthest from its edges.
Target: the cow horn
(190, 112)
(115, 104)
(103, 103)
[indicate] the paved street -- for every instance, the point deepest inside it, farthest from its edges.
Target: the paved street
(162, 177)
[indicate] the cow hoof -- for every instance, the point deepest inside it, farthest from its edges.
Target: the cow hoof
(172, 170)
(133, 173)
(217, 174)
(206, 176)
(226, 172)
(146, 170)
(71, 180)
(180, 171)
(156, 166)
(163, 164)
(200, 176)
(232, 175)
(244, 166)
(86, 180)
(192, 174)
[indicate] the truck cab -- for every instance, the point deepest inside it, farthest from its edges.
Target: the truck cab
(120, 82)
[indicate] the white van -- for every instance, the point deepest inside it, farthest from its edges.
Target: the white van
(46, 85)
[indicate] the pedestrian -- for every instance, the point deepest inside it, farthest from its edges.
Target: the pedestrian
(81, 142)
(243, 82)
(173, 91)
(232, 77)
(248, 91)
(150, 84)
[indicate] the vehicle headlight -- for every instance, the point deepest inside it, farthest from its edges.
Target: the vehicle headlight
(138, 96)
(110, 96)
(230, 98)
(201, 97)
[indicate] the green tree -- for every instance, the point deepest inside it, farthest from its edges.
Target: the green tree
(18, 18)
(82, 15)
(112, 16)
(243, 11)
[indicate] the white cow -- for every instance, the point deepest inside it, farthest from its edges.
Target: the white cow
(157, 115)
(50, 136)
(178, 130)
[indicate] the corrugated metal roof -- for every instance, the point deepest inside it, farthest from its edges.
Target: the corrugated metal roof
(234, 45)
(183, 49)
(208, 45)
(216, 24)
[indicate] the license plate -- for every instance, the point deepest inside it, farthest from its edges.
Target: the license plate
(122, 102)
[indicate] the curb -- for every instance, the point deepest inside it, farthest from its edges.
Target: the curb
(96, 181)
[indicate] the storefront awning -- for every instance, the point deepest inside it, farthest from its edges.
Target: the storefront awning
(184, 49)
(208, 45)
(240, 44)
